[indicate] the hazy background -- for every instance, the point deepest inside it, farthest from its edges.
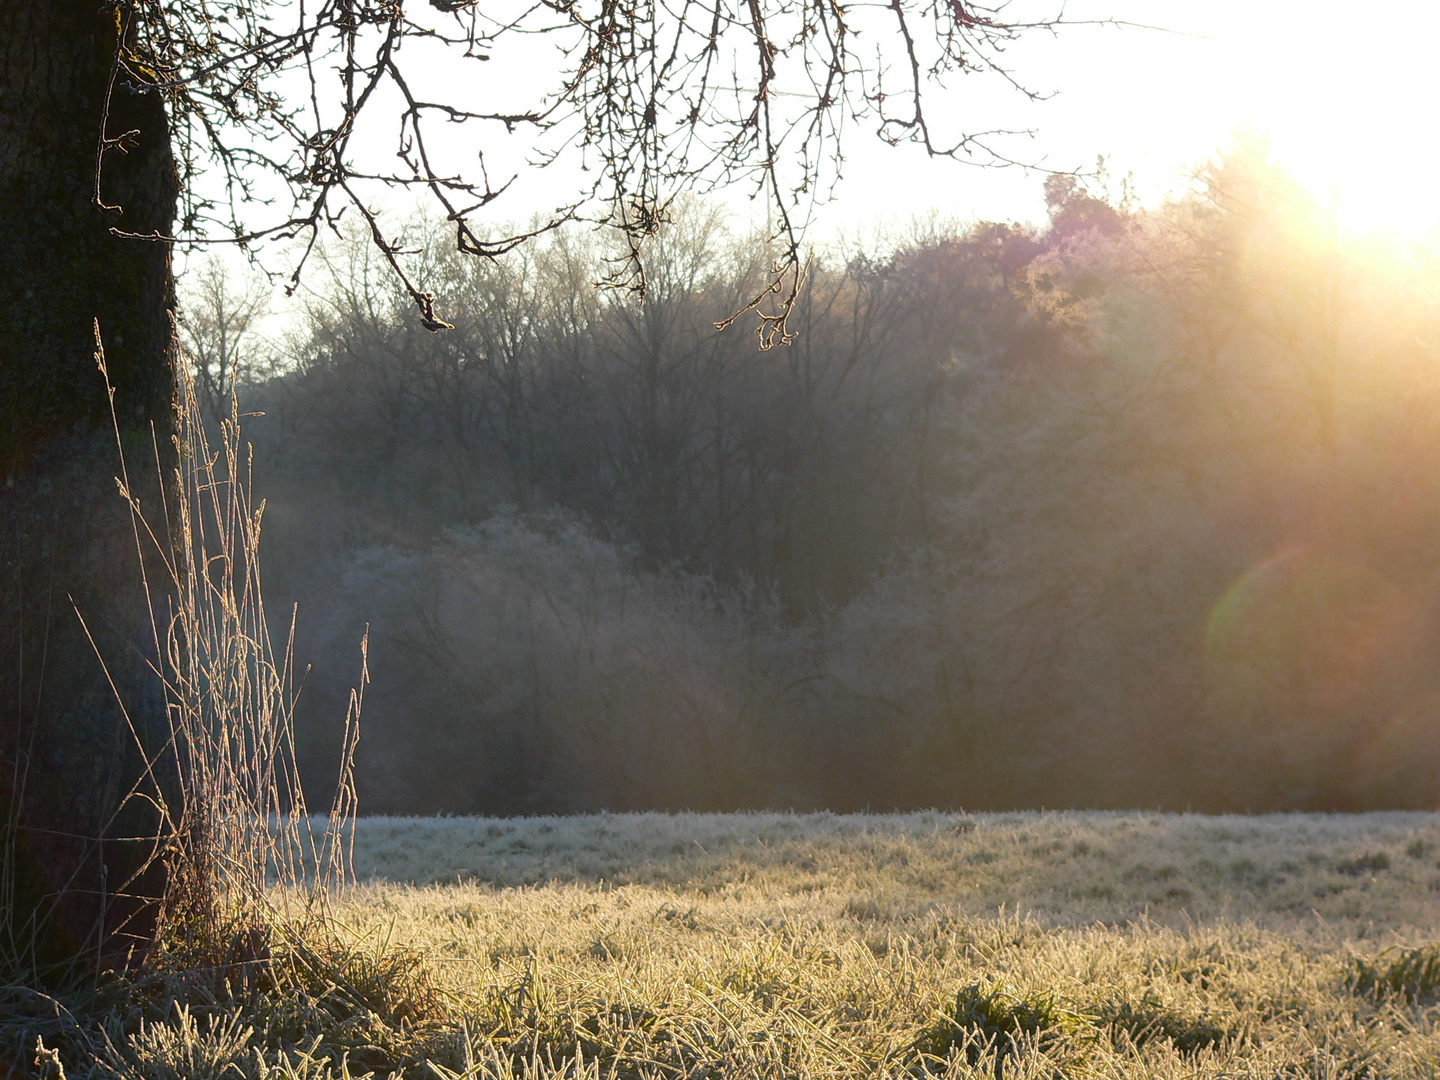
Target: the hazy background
(1119, 488)
(1136, 507)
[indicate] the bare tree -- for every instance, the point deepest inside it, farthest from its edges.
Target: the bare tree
(127, 124)
(654, 97)
(219, 334)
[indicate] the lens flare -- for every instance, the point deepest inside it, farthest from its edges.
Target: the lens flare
(1312, 631)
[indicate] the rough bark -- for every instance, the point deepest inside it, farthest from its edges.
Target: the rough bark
(67, 754)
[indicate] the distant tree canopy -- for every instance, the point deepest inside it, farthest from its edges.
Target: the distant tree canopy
(129, 123)
(1136, 508)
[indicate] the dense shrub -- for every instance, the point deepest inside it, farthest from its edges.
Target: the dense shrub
(523, 664)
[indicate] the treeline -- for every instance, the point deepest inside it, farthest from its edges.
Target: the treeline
(1140, 508)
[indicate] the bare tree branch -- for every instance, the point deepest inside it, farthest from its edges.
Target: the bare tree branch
(655, 96)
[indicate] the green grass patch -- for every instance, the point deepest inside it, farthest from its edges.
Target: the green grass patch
(1407, 975)
(994, 1019)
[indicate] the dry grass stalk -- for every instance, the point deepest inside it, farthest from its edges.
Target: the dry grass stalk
(243, 862)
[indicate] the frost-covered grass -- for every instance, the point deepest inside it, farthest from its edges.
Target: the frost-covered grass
(771, 945)
(1057, 867)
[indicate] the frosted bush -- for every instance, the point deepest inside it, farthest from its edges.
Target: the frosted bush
(524, 662)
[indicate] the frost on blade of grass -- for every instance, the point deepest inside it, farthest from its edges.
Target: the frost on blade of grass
(987, 1019)
(1064, 866)
(1408, 975)
(844, 948)
(1148, 1017)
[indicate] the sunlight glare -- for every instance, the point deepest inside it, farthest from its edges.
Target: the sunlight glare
(1349, 113)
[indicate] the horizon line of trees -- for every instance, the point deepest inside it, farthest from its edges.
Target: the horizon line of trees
(1135, 509)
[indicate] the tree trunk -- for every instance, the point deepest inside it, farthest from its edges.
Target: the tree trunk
(68, 756)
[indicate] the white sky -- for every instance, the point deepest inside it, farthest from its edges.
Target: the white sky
(1347, 93)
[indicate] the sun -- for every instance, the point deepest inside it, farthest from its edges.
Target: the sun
(1350, 110)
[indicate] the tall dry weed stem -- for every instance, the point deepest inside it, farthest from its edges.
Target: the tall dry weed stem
(244, 864)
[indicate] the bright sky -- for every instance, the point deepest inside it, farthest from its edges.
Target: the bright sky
(1347, 94)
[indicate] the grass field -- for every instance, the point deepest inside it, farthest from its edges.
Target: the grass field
(767, 945)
